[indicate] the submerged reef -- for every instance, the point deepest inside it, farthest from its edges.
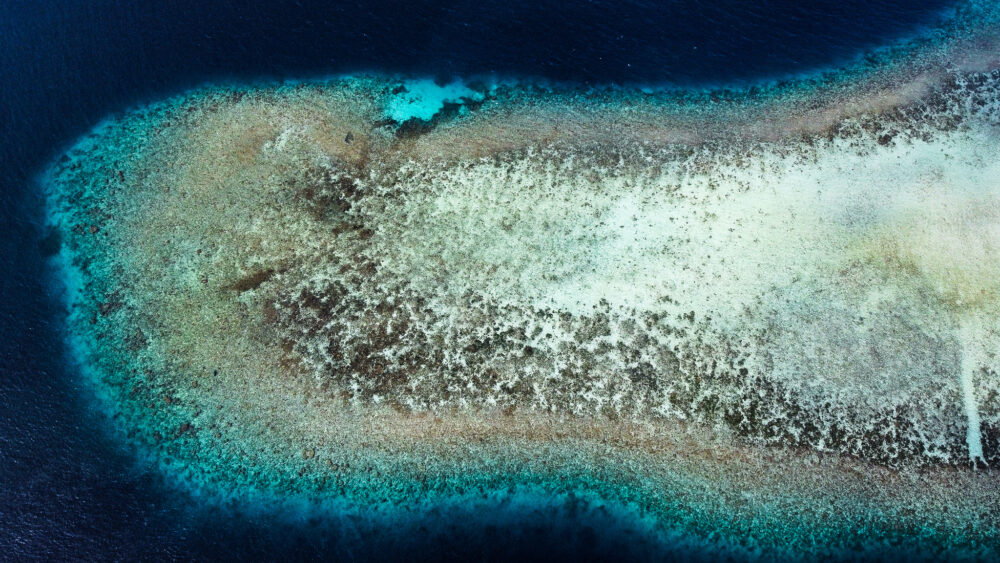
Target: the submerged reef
(763, 320)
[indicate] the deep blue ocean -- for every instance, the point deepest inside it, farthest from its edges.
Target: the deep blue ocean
(67, 490)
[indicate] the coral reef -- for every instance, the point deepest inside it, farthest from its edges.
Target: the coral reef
(765, 321)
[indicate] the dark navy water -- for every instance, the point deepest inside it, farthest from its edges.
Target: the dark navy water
(67, 490)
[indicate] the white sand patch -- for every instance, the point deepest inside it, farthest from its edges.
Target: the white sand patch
(563, 234)
(862, 258)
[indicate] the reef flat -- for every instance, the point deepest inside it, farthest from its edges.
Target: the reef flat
(765, 320)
